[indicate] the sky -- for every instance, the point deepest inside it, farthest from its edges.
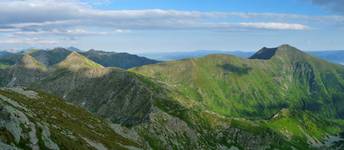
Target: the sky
(142, 26)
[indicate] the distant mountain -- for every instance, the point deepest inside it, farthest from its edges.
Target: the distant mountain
(4, 53)
(121, 60)
(53, 56)
(165, 56)
(4, 62)
(335, 56)
(50, 57)
(8, 59)
(332, 56)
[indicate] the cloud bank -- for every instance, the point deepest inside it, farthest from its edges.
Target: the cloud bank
(73, 18)
(38, 15)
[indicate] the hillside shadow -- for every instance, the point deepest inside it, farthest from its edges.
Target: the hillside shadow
(239, 70)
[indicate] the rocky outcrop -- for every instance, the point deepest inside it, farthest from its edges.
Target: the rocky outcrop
(30, 120)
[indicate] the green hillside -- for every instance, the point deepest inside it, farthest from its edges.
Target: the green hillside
(257, 87)
(279, 98)
(150, 109)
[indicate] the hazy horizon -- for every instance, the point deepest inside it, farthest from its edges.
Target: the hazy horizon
(156, 52)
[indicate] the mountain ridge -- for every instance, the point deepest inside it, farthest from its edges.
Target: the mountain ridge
(75, 61)
(291, 101)
(238, 68)
(53, 56)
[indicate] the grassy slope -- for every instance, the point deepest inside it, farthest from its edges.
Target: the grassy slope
(241, 87)
(258, 89)
(155, 112)
(229, 86)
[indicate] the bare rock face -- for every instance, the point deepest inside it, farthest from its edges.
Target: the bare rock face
(20, 129)
(31, 120)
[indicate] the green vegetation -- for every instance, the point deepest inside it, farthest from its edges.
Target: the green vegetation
(279, 98)
(259, 88)
(121, 60)
(3, 66)
(254, 88)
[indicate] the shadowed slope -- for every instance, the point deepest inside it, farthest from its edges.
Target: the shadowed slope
(264, 53)
(51, 57)
(113, 93)
(26, 71)
(121, 60)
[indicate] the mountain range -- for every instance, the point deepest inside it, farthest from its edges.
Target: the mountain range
(53, 56)
(334, 56)
(278, 98)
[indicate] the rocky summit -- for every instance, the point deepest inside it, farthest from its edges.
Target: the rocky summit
(279, 98)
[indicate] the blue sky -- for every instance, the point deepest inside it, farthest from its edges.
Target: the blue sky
(288, 6)
(140, 26)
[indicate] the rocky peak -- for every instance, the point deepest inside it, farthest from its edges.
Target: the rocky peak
(264, 53)
(284, 50)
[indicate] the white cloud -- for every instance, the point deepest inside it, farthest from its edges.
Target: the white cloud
(46, 14)
(29, 41)
(68, 32)
(75, 18)
(274, 26)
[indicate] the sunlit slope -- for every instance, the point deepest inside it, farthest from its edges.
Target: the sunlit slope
(259, 87)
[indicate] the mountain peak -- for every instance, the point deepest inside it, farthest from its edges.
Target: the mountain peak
(27, 61)
(264, 53)
(60, 49)
(75, 61)
(286, 47)
(267, 53)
